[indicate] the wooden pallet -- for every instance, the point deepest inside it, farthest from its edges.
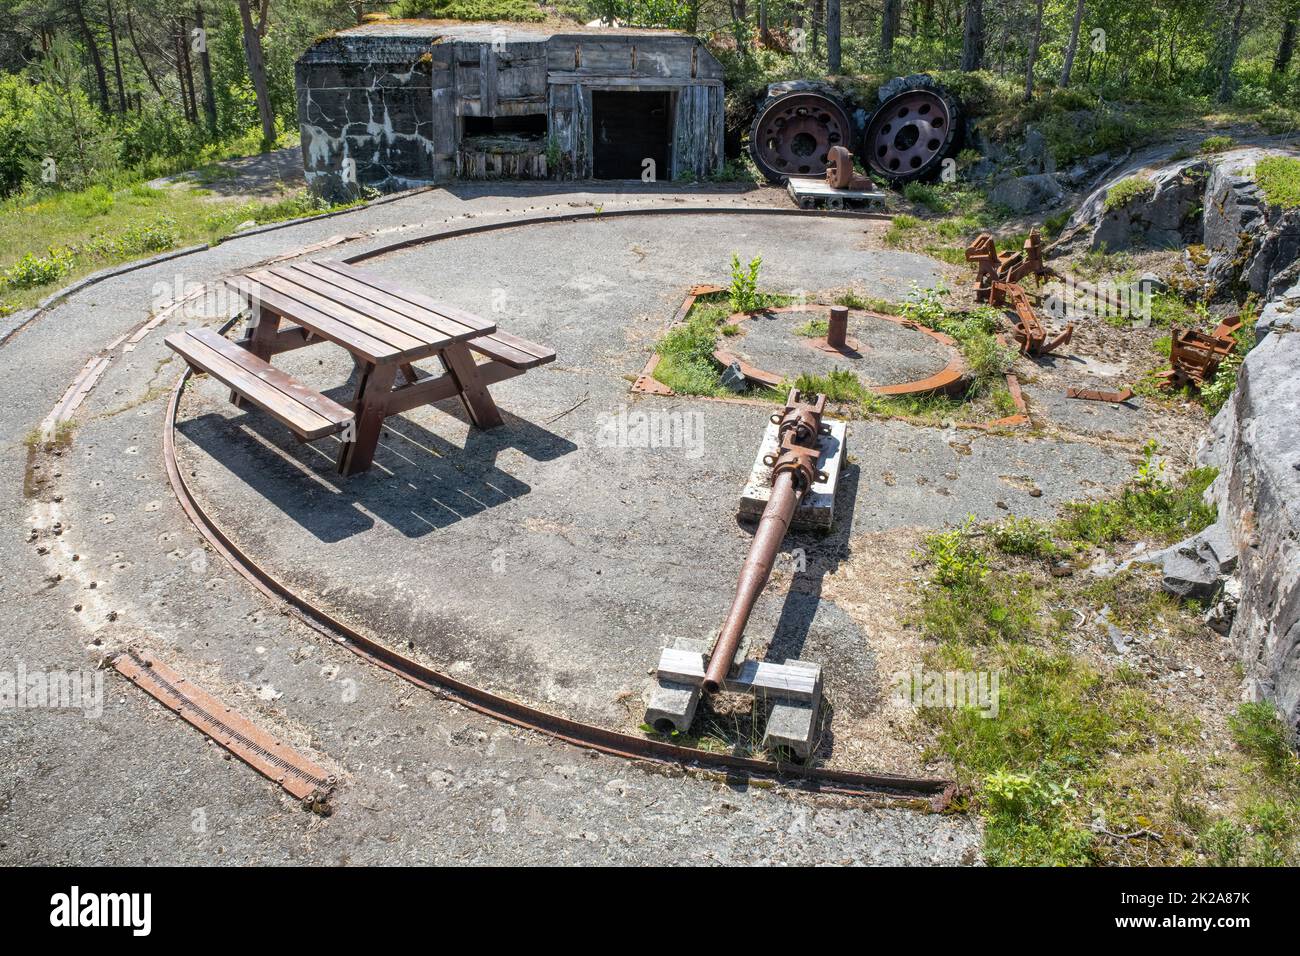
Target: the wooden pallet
(813, 192)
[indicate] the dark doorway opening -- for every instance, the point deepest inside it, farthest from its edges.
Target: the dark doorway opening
(530, 124)
(627, 128)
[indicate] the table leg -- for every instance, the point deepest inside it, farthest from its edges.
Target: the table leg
(259, 339)
(459, 363)
(372, 406)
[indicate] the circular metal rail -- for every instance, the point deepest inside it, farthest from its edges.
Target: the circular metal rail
(936, 792)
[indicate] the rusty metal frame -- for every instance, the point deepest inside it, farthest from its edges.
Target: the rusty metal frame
(1194, 356)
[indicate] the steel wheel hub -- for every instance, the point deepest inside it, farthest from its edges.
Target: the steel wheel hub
(907, 133)
(795, 134)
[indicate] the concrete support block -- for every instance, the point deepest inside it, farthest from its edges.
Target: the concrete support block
(817, 510)
(792, 723)
(672, 705)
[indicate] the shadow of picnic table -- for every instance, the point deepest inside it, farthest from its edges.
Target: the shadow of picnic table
(420, 481)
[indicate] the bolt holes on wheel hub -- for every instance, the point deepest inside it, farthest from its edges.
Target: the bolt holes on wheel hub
(910, 134)
(793, 134)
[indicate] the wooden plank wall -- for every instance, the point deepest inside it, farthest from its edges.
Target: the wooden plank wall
(698, 127)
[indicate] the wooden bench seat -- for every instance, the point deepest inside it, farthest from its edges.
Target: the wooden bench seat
(307, 412)
(512, 350)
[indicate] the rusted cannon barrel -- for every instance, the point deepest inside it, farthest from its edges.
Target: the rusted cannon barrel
(794, 470)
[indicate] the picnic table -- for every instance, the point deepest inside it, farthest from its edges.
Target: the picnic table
(386, 329)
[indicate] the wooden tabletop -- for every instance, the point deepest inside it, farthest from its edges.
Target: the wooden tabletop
(369, 316)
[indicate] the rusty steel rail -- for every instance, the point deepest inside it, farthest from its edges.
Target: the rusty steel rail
(297, 774)
(937, 793)
(794, 471)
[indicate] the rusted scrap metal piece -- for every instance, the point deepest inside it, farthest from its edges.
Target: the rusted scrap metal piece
(291, 770)
(1029, 333)
(755, 375)
(997, 282)
(1099, 395)
(1194, 356)
(793, 134)
(992, 266)
(984, 254)
(794, 470)
(840, 173)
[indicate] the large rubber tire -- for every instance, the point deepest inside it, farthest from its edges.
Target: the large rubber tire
(912, 132)
(794, 131)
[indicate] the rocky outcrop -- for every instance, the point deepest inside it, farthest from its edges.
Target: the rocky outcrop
(1283, 313)
(1166, 217)
(1253, 247)
(1028, 193)
(1255, 444)
(1242, 244)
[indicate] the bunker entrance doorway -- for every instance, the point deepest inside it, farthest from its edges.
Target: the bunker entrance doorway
(627, 129)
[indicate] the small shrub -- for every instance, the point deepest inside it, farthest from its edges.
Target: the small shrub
(988, 360)
(744, 284)
(925, 306)
(32, 270)
(1148, 507)
(957, 562)
(148, 237)
(840, 385)
(1126, 190)
(813, 329)
(1025, 536)
(1279, 179)
(899, 228)
(956, 227)
(929, 196)
(1216, 144)
(1003, 403)
(1259, 732)
(1279, 119)
(854, 300)
(1054, 223)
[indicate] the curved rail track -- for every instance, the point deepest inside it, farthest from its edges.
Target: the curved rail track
(935, 793)
(938, 792)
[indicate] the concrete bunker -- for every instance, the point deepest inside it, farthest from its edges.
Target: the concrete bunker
(391, 105)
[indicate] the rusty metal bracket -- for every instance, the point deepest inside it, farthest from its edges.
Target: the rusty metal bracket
(1098, 395)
